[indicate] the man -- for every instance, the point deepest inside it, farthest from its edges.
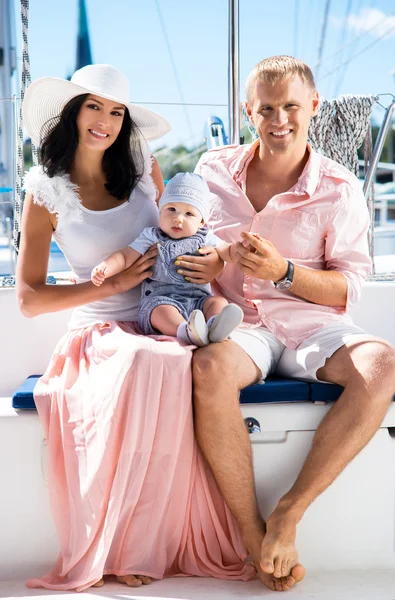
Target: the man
(303, 221)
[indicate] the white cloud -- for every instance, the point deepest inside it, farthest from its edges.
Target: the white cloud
(374, 21)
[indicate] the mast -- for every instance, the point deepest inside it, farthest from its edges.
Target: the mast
(7, 68)
(233, 72)
(84, 54)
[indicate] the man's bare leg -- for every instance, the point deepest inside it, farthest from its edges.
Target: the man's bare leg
(366, 370)
(220, 372)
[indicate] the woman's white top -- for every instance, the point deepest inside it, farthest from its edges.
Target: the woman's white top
(86, 237)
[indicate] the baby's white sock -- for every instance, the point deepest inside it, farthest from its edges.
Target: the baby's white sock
(182, 333)
(194, 331)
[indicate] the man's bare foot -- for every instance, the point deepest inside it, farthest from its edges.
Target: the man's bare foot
(254, 543)
(134, 580)
(278, 554)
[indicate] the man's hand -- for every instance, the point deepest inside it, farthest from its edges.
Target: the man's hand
(200, 269)
(261, 259)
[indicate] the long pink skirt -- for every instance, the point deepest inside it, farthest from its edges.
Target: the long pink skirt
(130, 491)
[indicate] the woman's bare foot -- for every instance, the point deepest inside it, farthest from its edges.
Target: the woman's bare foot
(134, 580)
(296, 572)
(130, 580)
(278, 554)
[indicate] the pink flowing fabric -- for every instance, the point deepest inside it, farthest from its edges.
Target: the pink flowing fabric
(130, 491)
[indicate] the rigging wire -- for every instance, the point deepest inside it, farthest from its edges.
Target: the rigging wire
(365, 23)
(175, 72)
(313, 16)
(323, 35)
(307, 28)
(181, 103)
(342, 39)
(376, 41)
(343, 71)
(296, 27)
(354, 40)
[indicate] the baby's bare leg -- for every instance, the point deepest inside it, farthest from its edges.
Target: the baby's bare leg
(166, 319)
(213, 306)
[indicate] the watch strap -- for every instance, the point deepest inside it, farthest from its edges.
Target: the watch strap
(289, 277)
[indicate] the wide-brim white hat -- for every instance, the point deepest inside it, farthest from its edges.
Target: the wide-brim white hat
(46, 97)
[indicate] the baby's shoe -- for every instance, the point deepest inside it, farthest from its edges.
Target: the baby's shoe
(195, 330)
(221, 326)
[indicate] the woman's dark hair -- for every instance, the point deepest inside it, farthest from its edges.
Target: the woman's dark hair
(123, 162)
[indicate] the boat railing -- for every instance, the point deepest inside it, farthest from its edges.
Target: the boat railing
(378, 147)
(381, 206)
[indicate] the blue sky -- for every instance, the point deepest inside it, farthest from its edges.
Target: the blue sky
(129, 35)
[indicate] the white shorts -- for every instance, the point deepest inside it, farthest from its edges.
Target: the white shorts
(272, 356)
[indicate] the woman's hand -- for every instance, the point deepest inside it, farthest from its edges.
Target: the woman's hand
(200, 269)
(134, 275)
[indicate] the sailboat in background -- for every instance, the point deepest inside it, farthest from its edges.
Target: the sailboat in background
(84, 53)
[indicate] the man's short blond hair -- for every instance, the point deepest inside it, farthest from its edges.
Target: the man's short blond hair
(275, 68)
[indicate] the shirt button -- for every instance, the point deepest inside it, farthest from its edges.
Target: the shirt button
(247, 278)
(256, 217)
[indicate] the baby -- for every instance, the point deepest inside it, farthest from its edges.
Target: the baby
(170, 304)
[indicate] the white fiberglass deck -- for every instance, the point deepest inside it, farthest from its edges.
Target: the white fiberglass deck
(330, 585)
(346, 539)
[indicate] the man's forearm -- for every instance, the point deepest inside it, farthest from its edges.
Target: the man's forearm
(328, 288)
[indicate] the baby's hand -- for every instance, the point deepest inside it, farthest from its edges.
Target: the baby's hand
(233, 252)
(248, 246)
(98, 274)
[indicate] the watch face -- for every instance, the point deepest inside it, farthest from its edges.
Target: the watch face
(284, 285)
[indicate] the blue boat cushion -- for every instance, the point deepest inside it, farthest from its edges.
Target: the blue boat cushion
(324, 392)
(23, 397)
(275, 389)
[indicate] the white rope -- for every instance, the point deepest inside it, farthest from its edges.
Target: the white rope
(25, 81)
(340, 127)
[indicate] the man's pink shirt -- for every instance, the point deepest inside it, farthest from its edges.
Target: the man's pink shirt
(320, 223)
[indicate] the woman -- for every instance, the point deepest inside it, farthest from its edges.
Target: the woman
(130, 493)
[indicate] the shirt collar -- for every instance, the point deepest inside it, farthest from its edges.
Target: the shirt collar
(309, 178)
(240, 167)
(307, 182)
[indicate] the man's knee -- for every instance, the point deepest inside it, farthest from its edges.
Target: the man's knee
(382, 365)
(213, 362)
(370, 361)
(224, 366)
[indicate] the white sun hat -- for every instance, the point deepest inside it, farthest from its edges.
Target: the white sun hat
(46, 97)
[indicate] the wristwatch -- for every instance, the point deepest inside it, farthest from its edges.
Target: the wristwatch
(285, 284)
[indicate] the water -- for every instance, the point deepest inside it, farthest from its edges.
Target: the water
(57, 261)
